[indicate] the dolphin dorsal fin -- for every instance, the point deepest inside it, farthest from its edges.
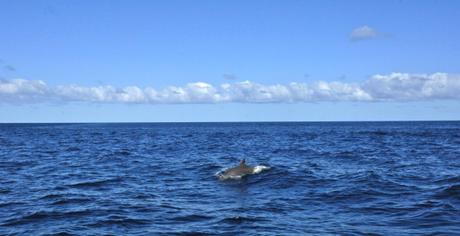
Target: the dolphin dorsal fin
(242, 162)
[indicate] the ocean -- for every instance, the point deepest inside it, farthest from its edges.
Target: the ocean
(325, 178)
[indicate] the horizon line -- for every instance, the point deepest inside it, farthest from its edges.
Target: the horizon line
(175, 122)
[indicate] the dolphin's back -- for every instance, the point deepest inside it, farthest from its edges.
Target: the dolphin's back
(237, 172)
(240, 171)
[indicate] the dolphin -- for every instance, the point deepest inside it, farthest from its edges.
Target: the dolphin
(240, 171)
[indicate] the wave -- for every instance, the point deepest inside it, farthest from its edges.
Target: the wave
(62, 233)
(52, 196)
(66, 201)
(13, 203)
(191, 218)
(449, 180)
(73, 149)
(124, 221)
(258, 169)
(46, 215)
(187, 233)
(97, 183)
(240, 219)
(452, 191)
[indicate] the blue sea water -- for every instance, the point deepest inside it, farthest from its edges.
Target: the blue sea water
(349, 178)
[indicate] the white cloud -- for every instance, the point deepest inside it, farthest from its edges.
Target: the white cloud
(410, 87)
(20, 90)
(378, 88)
(363, 32)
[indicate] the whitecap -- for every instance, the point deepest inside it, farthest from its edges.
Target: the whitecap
(258, 169)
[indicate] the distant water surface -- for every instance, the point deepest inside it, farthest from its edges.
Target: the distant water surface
(387, 178)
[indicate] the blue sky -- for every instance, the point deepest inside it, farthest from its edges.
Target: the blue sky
(67, 61)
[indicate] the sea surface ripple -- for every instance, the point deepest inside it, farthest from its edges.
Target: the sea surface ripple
(352, 178)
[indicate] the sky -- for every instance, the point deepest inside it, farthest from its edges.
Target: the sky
(179, 61)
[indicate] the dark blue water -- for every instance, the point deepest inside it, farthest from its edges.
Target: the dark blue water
(389, 178)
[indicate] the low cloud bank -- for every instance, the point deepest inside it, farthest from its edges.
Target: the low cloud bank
(378, 88)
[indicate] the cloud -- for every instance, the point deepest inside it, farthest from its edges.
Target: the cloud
(363, 32)
(9, 68)
(20, 90)
(6, 67)
(229, 76)
(413, 87)
(378, 88)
